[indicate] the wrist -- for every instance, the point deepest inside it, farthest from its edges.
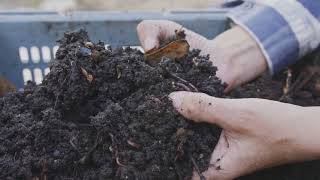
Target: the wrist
(308, 133)
(238, 57)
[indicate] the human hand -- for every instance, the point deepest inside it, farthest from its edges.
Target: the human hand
(234, 52)
(256, 133)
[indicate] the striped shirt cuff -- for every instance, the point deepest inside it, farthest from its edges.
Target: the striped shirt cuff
(284, 29)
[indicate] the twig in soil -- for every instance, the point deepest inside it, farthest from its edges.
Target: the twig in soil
(116, 151)
(119, 163)
(176, 77)
(57, 98)
(301, 81)
(88, 76)
(44, 172)
(118, 69)
(288, 81)
(183, 86)
(133, 144)
(86, 158)
(73, 145)
(197, 168)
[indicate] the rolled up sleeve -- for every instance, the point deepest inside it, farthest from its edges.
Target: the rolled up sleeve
(285, 30)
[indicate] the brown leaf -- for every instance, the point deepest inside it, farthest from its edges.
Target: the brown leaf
(174, 50)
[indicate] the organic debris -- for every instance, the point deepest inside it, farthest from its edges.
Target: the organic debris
(173, 48)
(6, 86)
(88, 76)
(309, 70)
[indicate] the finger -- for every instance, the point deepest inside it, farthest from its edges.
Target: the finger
(233, 164)
(220, 150)
(150, 33)
(201, 107)
(217, 155)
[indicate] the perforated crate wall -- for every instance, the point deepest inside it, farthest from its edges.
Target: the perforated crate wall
(43, 54)
(28, 39)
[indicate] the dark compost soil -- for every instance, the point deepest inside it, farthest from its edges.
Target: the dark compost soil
(105, 114)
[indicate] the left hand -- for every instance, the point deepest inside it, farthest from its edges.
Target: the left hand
(236, 54)
(256, 133)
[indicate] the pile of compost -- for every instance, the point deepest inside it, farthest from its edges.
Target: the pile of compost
(105, 114)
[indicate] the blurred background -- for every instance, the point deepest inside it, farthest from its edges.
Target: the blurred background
(112, 5)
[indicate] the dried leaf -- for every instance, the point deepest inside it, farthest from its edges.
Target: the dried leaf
(88, 76)
(174, 50)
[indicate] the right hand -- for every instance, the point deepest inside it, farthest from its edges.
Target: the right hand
(235, 53)
(256, 134)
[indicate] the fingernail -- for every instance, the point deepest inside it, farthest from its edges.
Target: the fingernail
(150, 43)
(176, 100)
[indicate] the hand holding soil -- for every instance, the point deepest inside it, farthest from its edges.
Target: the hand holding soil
(257, 133)
(235, 53)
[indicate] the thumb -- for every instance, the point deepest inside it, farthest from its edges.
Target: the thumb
(150, 32)
(201, 107)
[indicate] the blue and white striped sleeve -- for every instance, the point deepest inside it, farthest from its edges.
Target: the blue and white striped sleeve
(285, 30)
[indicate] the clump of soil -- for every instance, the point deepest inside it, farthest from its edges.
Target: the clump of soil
(105, 114)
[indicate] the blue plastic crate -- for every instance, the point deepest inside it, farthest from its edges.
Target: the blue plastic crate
(28, 39)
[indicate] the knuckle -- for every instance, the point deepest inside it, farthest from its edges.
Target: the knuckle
(244, 121)
(196, 105)
(143, 24)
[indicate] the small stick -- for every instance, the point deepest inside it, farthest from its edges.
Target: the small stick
(197, 168)
(119, 163)
(86, 157)
(302, 80)
(73, 145)
(288, 81)
(183, 80)
(186, 88)
(116, 151)
(57, 98)
(180, 79)
(133, 144)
